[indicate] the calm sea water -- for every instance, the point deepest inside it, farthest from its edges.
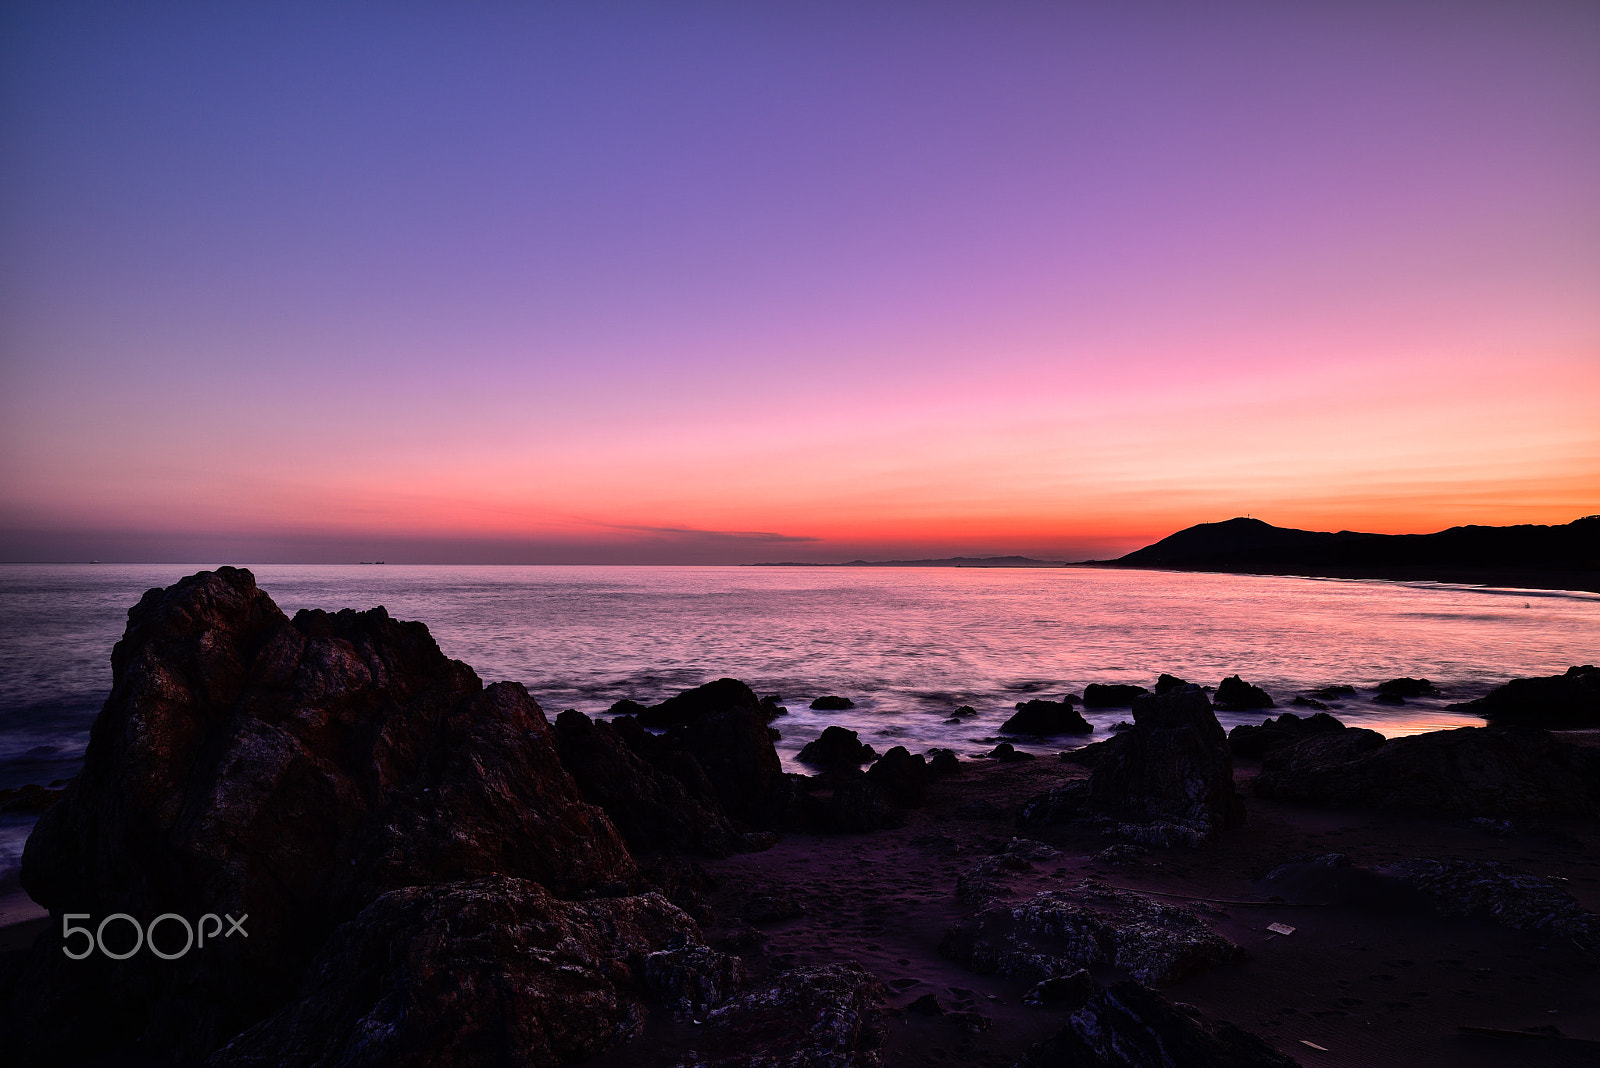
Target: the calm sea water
(906, 644)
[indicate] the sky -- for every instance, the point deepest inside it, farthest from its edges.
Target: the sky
(738, 282)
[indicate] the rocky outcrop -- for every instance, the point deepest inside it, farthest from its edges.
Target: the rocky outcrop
(652, 809)
(832, 703)
(903, 776)
(1114, 695)
(294, 772)
(717, 745)
(1166, 782)
(1060, 931)
(1253, 742)
(713, 697)
(1167, 683)
(1554, 702)
(1236, 695)
(1127, 1025)
(1470, 771)
(1046, 718)
(838, 747)
(821, 1017)
(1174, 764)
(492, 971)
(694, 979)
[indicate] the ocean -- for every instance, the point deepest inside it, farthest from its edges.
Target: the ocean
(907, 645)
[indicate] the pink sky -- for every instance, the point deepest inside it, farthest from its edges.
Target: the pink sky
(814, 283)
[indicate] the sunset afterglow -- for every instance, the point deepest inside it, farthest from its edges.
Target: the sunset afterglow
(621, 283)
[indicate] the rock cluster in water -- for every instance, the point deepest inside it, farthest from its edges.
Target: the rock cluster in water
(1554, 702)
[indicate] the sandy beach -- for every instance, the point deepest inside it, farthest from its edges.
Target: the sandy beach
(1370, 986)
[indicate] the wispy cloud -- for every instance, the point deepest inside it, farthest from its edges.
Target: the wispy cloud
(699, 534)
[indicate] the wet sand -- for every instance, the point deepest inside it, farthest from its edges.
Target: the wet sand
(1372, 987)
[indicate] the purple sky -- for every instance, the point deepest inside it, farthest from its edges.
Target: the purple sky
(752, 281)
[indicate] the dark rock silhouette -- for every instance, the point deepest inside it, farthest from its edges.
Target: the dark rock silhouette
(1128, 1024)
(714, 697)
(832, 704)
(726, 734)
(1236, 695)
(294, 772)
(1247, 741)
(1174, 765)
(649, 806)
(904, 776)
(1114, 695)
(1046, 718)
(1167, 781)
(1471, 771)
(837, 747)
(1333, 693)
(492, 971)
(1554, 702)
(943, 762)
(1007, 753)
(1408, 687)
(1167, 683)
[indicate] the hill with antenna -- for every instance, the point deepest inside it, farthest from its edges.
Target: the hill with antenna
(1565, 556)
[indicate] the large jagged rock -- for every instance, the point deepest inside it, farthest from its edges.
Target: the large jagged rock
(1046, 718)
(244, 764)
(1554, 702)
(1127, 1025)
(492, 971)
(1247, 741)
(1058, 932)
(652, 809)
(1174, 765)
(821, 1017)
(717, 746)
(1470, 771)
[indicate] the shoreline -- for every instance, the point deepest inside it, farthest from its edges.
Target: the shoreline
(1510, 580)
(1381, 987)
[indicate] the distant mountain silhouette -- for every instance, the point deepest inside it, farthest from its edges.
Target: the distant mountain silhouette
(1561, 557)
(948, 561)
